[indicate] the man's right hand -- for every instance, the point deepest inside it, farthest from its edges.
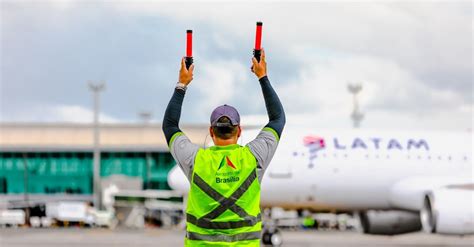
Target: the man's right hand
(259, 68)
(185, 75)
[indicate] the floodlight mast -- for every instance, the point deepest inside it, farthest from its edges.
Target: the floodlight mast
(356, 114)
(146, 117)
(96, 88)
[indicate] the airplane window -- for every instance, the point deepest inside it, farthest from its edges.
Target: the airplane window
(366, 156)
(465, 158)
(449, 158)
(388, 156)
(345, 155)
(295, 153)
(429, 157)
(408, 156)
(377, 156)
(419, 157)
(440, 158)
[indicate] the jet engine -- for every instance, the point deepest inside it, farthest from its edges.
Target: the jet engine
(389, 222)
(449, 210)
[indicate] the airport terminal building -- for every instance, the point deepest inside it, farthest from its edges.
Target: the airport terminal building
(51, 159)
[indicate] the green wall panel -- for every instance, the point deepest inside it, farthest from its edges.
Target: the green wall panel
(71, 172)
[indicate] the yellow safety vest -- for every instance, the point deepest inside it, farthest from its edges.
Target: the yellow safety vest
(224, 200)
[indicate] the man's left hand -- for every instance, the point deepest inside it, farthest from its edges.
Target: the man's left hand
(185, 75)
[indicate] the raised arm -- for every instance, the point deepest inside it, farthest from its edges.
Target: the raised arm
(265, 144)
(173, 111)
(276, 114)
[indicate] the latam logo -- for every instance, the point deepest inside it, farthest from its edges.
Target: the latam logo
(316, 143)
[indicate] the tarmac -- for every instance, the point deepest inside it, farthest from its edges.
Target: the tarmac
(71, 237)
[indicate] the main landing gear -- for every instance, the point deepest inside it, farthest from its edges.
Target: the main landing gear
(271, 236)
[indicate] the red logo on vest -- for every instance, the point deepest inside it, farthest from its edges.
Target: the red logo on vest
(229, 163)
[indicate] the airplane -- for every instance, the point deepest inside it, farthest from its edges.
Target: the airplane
(394, 181)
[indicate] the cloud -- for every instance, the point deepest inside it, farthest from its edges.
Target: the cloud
(414, 59)
(319, 95)
(49, 54)
(220, 83)
(57, 113)
(78, 114)
(374, 28)
(430, 39)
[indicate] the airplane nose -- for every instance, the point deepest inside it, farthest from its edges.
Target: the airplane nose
(177, 180)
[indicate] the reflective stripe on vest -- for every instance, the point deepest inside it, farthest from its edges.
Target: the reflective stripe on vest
(225, 203)
(223, 237)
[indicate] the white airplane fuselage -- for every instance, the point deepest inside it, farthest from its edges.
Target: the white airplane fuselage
(359, 169)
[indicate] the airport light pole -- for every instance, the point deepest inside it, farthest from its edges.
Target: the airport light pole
(145, 116)
(356, 115)
(26, 190)
(96, 88)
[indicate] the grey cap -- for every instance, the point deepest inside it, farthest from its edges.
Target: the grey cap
(225, 111)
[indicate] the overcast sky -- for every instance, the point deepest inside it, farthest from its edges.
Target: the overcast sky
(414, 60)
